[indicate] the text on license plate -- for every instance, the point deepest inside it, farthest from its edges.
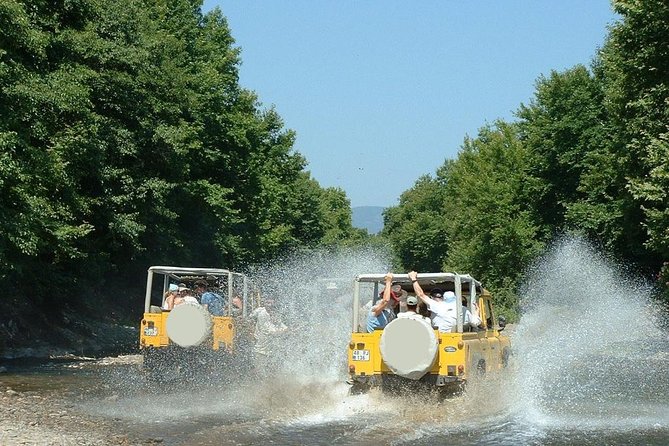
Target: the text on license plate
(151, 331)
(360, 355)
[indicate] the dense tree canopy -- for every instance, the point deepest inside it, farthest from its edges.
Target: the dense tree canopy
(589, 154)
(126, 140)
(635, 72)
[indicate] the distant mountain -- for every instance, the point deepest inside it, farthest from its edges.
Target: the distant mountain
(368, 217)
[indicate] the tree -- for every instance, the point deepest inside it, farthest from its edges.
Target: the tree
(561, 128)
(492, 229)
(337, 219)
(635, 73)
(126, 140)
(416, 227)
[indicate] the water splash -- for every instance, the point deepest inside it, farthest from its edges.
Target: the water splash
(590, 365)
(314, 292)
(589, 347)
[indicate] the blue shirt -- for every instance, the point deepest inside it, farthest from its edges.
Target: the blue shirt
(214, 303)
(380, 321)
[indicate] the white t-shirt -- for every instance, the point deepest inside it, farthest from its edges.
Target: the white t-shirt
(413, 315)
(264, 330)
(443, 315)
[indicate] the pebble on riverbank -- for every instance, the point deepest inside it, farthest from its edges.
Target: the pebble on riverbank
(45, 417)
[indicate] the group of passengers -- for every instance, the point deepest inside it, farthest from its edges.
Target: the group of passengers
(441, 305)
(179, 294)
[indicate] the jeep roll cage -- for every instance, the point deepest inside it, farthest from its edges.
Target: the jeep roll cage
(458, 283)
(185, 274)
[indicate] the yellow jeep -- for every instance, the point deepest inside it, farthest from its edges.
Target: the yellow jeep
(188, 332)
(410, 351)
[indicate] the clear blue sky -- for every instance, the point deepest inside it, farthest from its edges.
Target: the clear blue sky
(382, 92)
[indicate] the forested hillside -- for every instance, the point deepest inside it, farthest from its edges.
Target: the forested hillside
(589, 155)
(127, 141)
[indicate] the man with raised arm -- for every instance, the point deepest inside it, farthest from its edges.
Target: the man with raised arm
(383, 311)
(444, 312)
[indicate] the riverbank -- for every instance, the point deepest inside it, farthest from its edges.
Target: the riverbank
(34, 414)
(87, 330)
(35, 418)
(98, 340)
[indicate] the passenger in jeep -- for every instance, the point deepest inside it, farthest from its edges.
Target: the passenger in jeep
(443, 310)
(185, 297)
(412, 311)
(472, 321)
(384, 310)
(170, 295)
(213, 302)
(237, 307)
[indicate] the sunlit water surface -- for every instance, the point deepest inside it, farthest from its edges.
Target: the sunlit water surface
(590, 366)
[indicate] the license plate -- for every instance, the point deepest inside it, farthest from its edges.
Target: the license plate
(360, 355)
(151, 331)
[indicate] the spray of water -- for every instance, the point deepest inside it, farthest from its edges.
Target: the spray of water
(589, 354)
(314, 296)
(589, 350)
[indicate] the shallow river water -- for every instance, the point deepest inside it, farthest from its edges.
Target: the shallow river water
(607, 404)
(590, 367)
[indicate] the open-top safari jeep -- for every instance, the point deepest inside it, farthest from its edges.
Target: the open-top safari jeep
(409, 351)
(188, 334)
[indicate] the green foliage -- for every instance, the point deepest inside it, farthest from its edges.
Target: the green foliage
(491, 227)
(635, 72)
(126, 140)
(335, 208)
(560, 129)
(416, 228)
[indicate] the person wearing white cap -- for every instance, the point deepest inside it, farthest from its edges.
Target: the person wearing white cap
(443, 311)
(170, 295)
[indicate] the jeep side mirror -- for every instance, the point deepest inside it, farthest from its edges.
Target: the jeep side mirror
(501, 322)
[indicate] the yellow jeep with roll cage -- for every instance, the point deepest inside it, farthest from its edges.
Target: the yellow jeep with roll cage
(188, 334)
(409, 351)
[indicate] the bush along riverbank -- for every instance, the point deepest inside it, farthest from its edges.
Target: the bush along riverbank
(82, 331)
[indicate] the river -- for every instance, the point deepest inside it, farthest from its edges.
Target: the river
(590, 367)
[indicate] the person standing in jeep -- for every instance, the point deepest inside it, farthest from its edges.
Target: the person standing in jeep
(443, 311)
(412, 311)
(383, 311)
